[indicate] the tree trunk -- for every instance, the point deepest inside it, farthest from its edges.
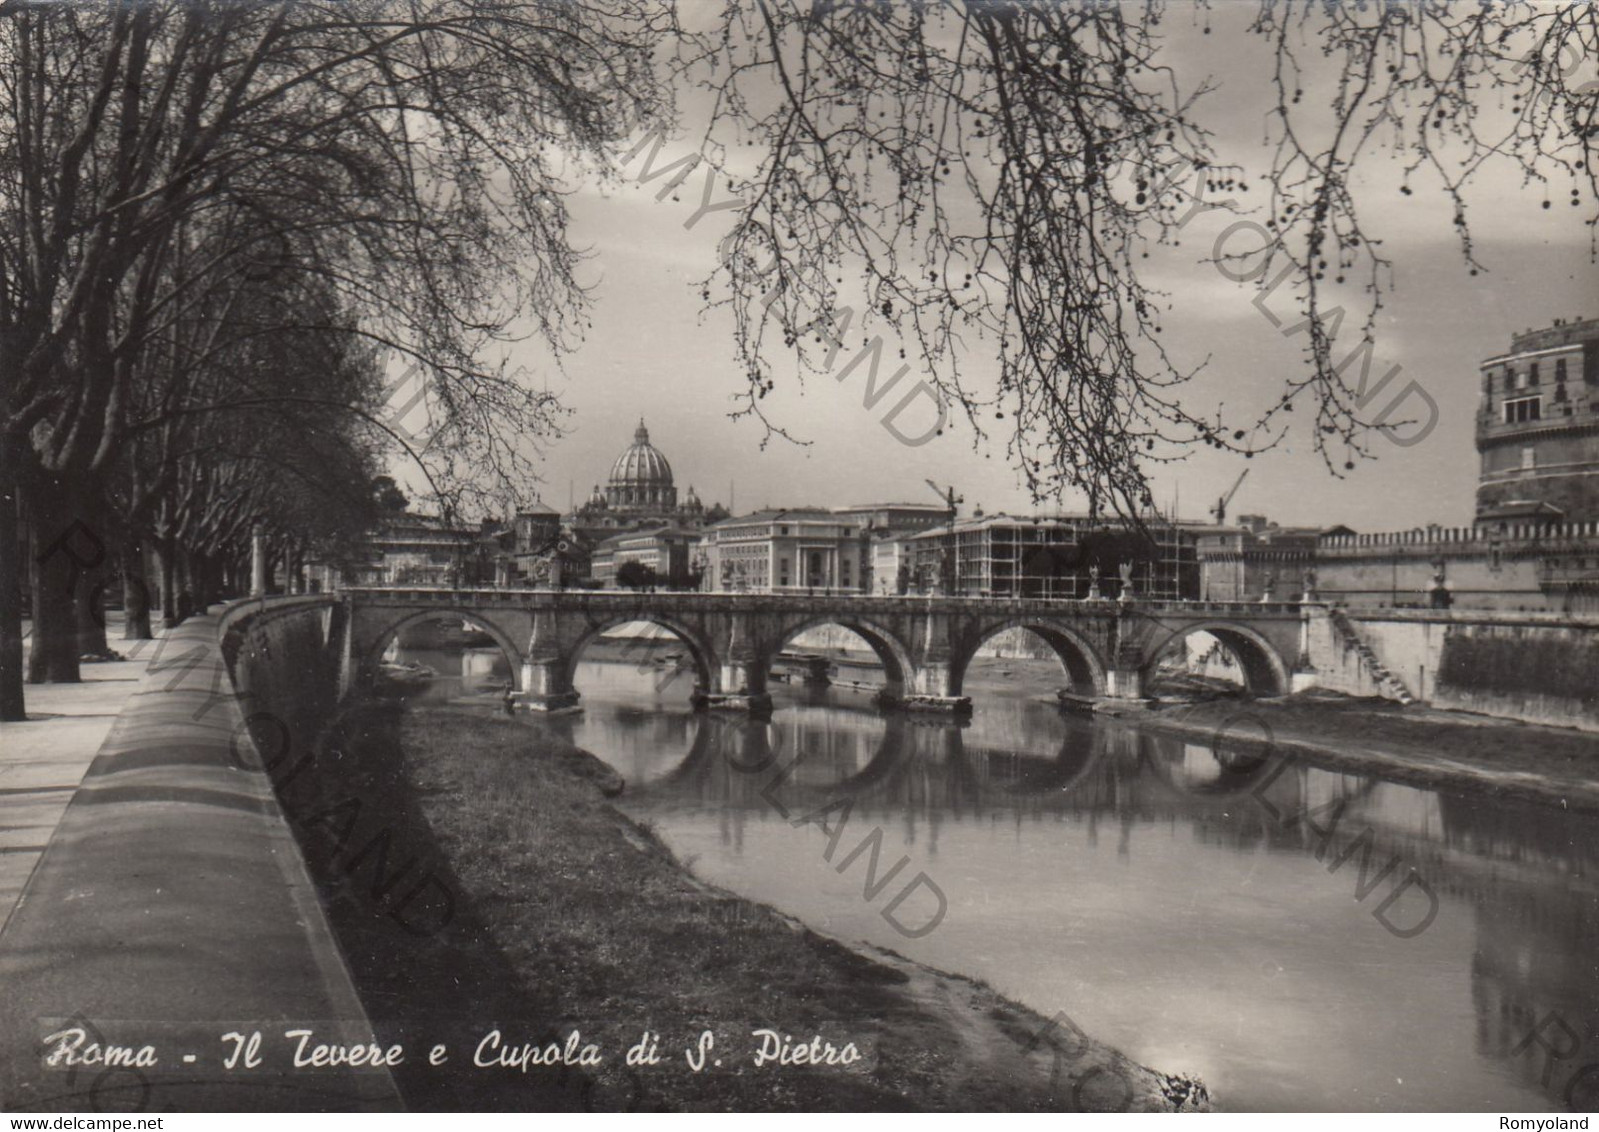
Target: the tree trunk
(91, 613)
(12, 707)
(135, 592)
(205, 581)
(167, 552)
(185, 572)
(64, 547)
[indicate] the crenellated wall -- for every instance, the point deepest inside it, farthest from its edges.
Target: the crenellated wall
(1518, 567)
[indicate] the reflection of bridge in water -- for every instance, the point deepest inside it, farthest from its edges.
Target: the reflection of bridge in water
(1529, 873)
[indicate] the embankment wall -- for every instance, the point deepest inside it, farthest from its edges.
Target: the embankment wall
(173, 905)
(1536, 667)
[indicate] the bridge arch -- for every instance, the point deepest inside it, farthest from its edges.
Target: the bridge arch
(898, 667)
(1265, 671)
(1083, 665)
(385, 636)
(700, 650)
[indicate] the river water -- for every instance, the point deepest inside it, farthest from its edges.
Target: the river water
(1195, 916)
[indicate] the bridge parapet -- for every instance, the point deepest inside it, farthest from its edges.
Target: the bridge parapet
(609, 600)
(924, 642)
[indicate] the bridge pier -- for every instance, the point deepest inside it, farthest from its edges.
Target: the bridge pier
(1124, 676)
(935, 691)
(546, 685)
(816, 672)
(741, 687)
(1124, 684)
(740, 680)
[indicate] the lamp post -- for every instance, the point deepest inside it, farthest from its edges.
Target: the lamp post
(258, 561)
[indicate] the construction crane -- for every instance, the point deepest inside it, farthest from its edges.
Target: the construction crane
(951, 500)
(1220, 510)
(946, 555)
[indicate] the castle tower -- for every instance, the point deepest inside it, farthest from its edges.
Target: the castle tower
(1538, 427)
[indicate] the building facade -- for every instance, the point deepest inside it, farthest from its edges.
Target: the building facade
(413, 549)
(895, 518)
(1256, 558)
(1538, 427)
(800, 550)
(541, 551)
(666, 552)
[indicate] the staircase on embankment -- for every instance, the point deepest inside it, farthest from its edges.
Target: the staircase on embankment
(1390, 685)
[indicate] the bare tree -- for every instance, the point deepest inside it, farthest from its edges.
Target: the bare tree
(988, 177)
(406, 153)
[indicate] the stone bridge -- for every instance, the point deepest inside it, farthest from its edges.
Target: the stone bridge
(1107, 649)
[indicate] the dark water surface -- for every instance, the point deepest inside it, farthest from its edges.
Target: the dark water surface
(1192, 915)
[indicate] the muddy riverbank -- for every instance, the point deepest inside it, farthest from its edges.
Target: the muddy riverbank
(1412, 744)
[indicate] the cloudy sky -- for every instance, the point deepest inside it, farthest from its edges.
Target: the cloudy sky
(654, 353)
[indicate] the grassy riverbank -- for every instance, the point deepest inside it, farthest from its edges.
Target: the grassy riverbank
(1419, 745)
(567, 914)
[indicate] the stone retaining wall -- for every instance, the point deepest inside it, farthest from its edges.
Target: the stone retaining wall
(1540, 668)
(172, 905)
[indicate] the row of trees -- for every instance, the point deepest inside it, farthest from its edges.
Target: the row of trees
(221, 223)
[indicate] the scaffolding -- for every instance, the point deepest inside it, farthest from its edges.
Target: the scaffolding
(1053, 557)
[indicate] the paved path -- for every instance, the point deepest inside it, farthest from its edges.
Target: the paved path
(169, 907)
(43, 760)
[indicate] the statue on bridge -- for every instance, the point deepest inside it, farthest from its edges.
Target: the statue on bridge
(1126, 569)
(1438, 593)
(1093, 582)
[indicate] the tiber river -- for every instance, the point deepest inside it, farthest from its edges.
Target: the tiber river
(1169, 906)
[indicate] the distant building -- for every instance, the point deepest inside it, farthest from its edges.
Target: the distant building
(886, 526)
(540, 551)
(667, 552)
(1053, 557)
(640, 493)
(807, 549)
(412, 549)
(898, 518)
(890, 565)
(1538, 428)
(1243, 562)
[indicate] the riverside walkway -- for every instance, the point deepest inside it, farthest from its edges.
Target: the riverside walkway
(169, 905)
(43, 760)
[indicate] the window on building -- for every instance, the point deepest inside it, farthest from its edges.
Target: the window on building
(1510, 378)
(1529, 457)
(1560, 369)
(1522, 410)
(1532, 374)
